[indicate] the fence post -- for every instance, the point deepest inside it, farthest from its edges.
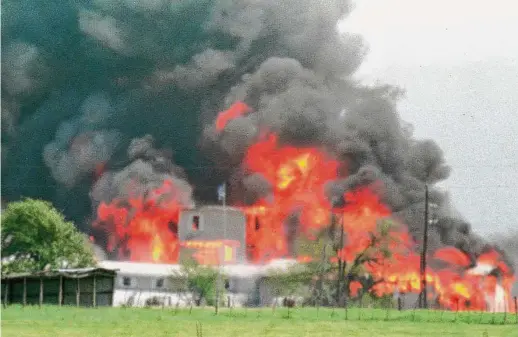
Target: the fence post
(24, 291)
(456, 311)
(41, 291)
(94, 301)
(77, 292)
(6, 297)
(516, 308)
(345, 307)
(60, 294)
(399, 304)
(361, 307)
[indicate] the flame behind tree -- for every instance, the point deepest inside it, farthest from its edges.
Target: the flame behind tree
(296, 205)
(320, 272)
(115, 81)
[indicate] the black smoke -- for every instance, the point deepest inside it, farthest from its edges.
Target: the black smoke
(84, 81)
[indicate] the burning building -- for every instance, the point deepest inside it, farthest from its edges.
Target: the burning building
(128, 115)
(213, 234)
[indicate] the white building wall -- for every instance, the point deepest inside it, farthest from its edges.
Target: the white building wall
(142, 288)
(137, 282)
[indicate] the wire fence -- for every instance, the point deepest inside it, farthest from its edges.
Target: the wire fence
(360, 309)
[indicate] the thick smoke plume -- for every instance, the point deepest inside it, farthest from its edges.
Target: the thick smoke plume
(148, 170)
(83, 81)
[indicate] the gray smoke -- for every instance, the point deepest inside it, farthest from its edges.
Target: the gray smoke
(79, 145)
(509, 243)
(306, 103)
(82, 81)
(148, 170)
(23, 69)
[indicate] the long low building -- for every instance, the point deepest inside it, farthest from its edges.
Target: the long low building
(140, 284)
(79, 287)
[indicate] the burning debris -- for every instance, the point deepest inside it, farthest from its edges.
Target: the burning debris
(297, 138)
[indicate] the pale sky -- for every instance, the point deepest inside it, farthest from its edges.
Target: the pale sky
(458, 62)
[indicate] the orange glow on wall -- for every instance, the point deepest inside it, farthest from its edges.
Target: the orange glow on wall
(213, 252)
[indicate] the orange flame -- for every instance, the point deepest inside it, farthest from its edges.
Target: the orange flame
(140, 225)
(452, 255)
(298, 176)
(237, 109)
(354, 288)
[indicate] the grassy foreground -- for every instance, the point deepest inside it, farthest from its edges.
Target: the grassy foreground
(75, 322)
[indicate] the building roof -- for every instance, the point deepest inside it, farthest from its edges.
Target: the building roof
(140, 268)
(67, 273)
(157, 269)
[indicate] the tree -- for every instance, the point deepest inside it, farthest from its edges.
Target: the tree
(377, 250)
(202, 281)
(36, 236)
(288, 283)
(361, 255)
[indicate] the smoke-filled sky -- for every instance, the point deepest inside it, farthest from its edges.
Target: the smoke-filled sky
(106, 98)
(458, 62)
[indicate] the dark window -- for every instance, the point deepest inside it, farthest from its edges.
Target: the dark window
(257, 224)
(160, 283)
(173, 227)
(126, 281)
(227, 284)
(195, 222)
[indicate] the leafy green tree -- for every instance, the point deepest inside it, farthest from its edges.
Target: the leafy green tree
(35, 236)
(202, 281)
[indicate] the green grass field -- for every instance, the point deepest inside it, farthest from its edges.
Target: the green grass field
(75, 322)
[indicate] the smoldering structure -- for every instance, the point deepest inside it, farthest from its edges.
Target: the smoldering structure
(84, 83)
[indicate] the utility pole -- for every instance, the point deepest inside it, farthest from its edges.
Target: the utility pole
(222, 196)
(341, 264)
(424, 298)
